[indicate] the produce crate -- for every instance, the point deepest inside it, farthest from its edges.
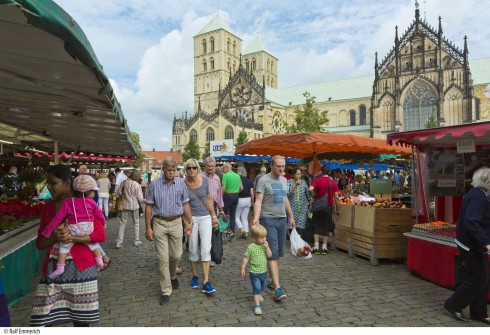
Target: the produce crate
(377, 233)
(345, 217)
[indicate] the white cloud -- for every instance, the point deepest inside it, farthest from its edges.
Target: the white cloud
(147, 47)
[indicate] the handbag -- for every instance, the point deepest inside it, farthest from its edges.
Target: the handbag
(120, 200)
(216, 246)
(320, 205)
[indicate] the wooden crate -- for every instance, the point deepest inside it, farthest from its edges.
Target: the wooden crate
(382, 220)
(377, 233)
(345, 217)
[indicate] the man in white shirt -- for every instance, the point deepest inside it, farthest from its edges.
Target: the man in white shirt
(120, 177)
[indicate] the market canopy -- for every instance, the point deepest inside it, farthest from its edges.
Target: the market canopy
(52, 87)
(317, 146)
(443, 137)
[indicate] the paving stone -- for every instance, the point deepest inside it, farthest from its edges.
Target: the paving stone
(330, 291)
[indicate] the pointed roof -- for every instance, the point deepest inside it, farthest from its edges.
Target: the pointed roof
(216, 23)
(256, 46)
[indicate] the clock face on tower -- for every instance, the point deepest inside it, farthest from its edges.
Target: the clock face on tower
(240, 94)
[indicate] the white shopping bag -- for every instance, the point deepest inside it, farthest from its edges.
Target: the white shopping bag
(297, 243)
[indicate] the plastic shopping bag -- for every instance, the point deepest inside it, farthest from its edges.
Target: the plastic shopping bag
(299, 248)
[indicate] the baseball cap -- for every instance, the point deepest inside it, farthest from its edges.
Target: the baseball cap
(84, 183)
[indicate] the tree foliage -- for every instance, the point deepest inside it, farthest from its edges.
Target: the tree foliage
(207, 151)
(309, 119)
(242, 138)
(432, 121)
(191, 150)
(135, 137)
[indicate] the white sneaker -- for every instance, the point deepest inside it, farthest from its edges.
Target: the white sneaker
(118, 245)
(137, 242)
(212, 263)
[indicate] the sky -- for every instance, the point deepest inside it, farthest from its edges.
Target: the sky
(146, 47)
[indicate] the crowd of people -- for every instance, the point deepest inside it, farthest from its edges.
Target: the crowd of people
(177, 207)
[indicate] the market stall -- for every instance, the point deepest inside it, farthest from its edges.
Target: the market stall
(366, 230)
(445, 159)
(54, 97)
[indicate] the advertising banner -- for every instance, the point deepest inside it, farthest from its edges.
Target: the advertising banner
(221, 148)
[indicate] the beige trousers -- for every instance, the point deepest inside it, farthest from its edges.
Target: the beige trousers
(134, 214)
(168, 243)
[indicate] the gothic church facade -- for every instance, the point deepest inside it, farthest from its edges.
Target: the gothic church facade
(236, 89)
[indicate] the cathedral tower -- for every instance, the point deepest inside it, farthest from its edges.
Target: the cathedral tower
(217, 52)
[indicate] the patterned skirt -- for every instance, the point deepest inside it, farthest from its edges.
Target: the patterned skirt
(71, 297)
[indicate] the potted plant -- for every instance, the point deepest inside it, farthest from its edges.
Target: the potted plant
(28, 179)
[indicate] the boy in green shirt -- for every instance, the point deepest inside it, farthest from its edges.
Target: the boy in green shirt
(257, 252)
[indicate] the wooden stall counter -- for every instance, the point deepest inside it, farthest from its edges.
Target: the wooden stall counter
(376, 233)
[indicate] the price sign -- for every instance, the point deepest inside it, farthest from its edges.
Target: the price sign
(465, 145)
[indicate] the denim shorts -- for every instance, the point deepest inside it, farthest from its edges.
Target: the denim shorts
(276, 234)
(259, 280)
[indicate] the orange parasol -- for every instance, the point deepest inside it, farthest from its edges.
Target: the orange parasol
(320, 146)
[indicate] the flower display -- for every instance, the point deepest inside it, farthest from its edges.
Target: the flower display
(15, 213)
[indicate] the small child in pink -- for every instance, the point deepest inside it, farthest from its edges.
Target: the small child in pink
(80, 212)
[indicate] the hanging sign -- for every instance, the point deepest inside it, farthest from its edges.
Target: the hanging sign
(465, 145)
(221, 148)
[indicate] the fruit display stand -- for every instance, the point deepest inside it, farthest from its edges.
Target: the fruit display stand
(375, 233)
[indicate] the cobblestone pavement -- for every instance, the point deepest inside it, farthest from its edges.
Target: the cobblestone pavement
(323, 291)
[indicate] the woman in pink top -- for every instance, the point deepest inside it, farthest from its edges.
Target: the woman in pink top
(79, 212)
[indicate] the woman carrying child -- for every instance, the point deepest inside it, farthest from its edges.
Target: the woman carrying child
(74, 297)
(80, 213)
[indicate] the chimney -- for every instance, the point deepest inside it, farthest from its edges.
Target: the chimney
(171, 149)
(153, 149)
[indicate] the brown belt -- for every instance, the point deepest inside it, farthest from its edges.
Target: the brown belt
(170, 218)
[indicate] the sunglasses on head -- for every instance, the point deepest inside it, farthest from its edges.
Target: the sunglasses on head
(191, 167)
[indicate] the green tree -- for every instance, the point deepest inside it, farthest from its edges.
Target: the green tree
(242, 138)
(432, 121)
(309, 119)
(191, 150)
(135, 137)
(207, 151)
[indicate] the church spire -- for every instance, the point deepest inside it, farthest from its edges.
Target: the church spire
(375, 65)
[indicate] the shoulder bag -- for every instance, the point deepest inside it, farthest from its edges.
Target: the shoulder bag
(321, 205)
(120, 200)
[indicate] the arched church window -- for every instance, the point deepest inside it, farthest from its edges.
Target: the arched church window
(204, 49)
(211, 63)
(362, 115)
(268, 81)
(272, 66)
(234, 48)
(254, 64)
(211, 41)
(418, 105)
(234, 66)
(272, 82)
(268, 64)
(247, 65)
(229, 133)
(352, 116)
(228, 65)
(209, 135)
(204, 65)
(228, 44)
(193, 135)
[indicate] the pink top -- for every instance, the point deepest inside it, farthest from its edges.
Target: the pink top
(75, 210)
(214, 188)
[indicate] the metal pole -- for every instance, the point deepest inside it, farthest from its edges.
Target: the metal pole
(56, 158)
